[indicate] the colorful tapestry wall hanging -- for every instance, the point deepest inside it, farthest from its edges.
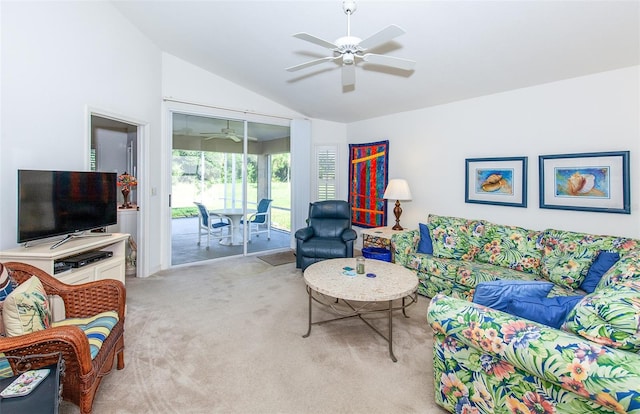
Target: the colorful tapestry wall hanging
(368, 175)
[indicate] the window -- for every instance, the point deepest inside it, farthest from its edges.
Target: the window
(326, 167)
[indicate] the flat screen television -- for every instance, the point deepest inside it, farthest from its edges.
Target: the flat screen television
(58, 203)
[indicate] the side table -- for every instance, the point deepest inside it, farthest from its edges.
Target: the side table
(380, 237)
(44, 399)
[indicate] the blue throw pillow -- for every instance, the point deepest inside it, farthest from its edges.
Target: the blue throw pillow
(497, 294)
(603, 262)
(547, 311)
(425, 245)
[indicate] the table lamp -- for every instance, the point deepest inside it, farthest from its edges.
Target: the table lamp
(397, 189)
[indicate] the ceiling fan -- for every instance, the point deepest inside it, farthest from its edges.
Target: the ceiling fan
(350, 49)
(228, 133)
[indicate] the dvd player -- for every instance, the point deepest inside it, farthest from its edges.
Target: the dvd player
(84, 259)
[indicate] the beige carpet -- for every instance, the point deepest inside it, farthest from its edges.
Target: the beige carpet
(227, 338)
(280, 258)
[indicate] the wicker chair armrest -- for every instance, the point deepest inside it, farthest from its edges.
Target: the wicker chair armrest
(69, 341)
(81, 300)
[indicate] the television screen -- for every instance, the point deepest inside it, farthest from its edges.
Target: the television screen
(55, 203)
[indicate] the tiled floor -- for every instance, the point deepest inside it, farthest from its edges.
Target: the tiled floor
(185, 249)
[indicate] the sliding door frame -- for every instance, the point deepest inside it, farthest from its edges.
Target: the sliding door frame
(169, 108)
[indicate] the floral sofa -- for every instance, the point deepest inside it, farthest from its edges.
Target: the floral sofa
(467, 252)
(489, 361)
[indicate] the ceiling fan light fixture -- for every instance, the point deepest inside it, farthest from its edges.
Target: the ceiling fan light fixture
(348, 58)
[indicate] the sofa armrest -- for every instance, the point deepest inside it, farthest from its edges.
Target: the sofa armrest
(403, 244)
(603, 375)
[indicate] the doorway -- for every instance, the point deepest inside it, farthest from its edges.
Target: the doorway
(114, 148)
(229, 166)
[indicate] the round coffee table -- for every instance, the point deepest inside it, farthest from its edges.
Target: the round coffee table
(328, 285)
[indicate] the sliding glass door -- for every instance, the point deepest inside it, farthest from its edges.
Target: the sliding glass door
(224, 173)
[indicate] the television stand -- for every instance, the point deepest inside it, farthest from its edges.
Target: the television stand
(43, 257)
(76, 236)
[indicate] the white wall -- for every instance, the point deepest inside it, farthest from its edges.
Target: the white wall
(59, 59)
(428, 147)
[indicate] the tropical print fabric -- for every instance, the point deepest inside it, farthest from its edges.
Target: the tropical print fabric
(511, 247)
(615, 323)
(627, 269)
(487, 361)
(404, 244)
(567, 255)
(455, 238)
(482, 251)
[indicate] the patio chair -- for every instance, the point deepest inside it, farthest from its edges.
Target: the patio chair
(260, 221)
(213, 224)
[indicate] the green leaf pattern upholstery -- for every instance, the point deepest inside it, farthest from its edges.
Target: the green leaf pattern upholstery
(455, 238)
(487, 361)
(567, 255)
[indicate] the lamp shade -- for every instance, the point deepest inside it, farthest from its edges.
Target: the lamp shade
(397, 189)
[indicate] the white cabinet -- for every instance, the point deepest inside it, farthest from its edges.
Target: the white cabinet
(128, 223)
(43, 257)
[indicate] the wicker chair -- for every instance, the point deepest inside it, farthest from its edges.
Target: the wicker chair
(82, 374)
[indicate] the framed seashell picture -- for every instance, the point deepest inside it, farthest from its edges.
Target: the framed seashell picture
(500, 181)
(596, 181)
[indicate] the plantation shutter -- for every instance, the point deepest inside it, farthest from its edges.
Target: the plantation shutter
(326, 166)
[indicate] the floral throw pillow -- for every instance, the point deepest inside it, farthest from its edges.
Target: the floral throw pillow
(454, 237)
(627, 269)
(567, 256)
(510, 247)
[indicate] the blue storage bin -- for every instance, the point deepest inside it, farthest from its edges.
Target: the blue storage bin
(377, 253)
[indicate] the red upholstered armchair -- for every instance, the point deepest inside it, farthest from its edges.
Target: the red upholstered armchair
(82, 372)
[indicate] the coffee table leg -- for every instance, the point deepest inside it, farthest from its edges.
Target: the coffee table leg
(404, 308)
(309, 331)
(393, 357)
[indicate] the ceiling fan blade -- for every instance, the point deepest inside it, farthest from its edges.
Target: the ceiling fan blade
(383, 36)
(316, 40)
(348, 75)
(310, 63)
(395, 62)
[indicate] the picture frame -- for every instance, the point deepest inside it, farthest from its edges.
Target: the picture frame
(596, 181)
(499, 181)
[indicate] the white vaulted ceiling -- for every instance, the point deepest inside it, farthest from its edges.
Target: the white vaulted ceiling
(463, 49)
